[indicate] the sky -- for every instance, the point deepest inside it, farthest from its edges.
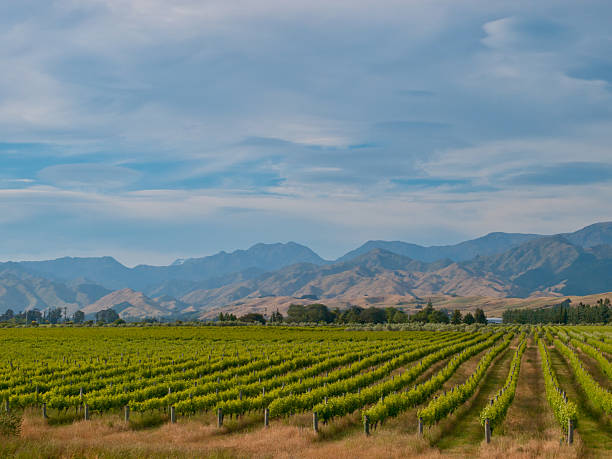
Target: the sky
(159, 129)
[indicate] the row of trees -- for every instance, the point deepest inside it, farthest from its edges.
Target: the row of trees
(55, 316)
(320, 313)
(562, 313)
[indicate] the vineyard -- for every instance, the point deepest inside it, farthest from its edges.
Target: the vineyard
(261, 391)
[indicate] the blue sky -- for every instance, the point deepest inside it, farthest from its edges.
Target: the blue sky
(152, 130)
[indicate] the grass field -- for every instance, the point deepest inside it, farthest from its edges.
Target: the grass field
(345, 376)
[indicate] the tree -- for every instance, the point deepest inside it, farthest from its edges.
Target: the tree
(315, 312)
(480, 317)
(106, 316)
(373, 315)
(468, 318)
(78, 317)
(318, 312)
(351, 315)
(296, 313)
(276, 317)
(253, 317)
(226, 317)
(456, 319)
(8, 315)
(430, 315)
(399, 317)
(55, 316)
(33, 315)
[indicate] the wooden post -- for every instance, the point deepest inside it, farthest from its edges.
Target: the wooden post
(126, 413)
(366, 425)
(420, 427)
(570, 432)
(86, 412)
(7, 406)
(219, 417)
(267, 417)
(172, 415)
(487, 430)
(315, 422)
(44, 411)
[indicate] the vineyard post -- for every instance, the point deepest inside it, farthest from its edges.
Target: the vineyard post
(219, 417)
(44, 411)
(488, 430)
(7, 406)
(86, 412)
(570, 432)
(315, 422)
(172, 415)
(126, 413)
(267, 417)
(366, 425)
(420, 427)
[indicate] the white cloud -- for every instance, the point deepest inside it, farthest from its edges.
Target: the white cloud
(88, 176)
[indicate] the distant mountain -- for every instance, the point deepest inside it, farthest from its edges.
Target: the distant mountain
(111, 274)
(105, 271)
(492, 243)
(21, 291)
(549, 264)
(543, 266)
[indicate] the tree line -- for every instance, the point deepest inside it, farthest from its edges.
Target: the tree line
(562, 313)
(57, 316)
(320, 313)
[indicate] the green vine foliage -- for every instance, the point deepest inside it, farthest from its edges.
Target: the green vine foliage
(563, 409)
(597, 394)
(496, 411)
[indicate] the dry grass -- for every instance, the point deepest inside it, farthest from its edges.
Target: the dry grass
(101, 439)
(106, 437)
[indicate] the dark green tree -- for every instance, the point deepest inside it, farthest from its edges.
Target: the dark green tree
(253, 317)
(78, 317)
(468, 318)
(479, 316)
(106, 316)
(276, 317)
(55, 316)
(456, 317)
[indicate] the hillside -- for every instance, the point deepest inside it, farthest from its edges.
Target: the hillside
(130, 304)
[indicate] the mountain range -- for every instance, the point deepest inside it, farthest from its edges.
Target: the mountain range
(498, 265)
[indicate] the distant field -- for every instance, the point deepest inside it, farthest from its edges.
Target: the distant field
(306, 392)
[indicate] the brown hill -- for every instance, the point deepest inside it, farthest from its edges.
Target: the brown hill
(129, 304)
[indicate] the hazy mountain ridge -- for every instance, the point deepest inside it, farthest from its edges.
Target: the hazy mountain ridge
(491, 244)
(539, 265)
(111, 274)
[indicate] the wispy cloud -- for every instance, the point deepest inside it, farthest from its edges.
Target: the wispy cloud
(123, 122)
